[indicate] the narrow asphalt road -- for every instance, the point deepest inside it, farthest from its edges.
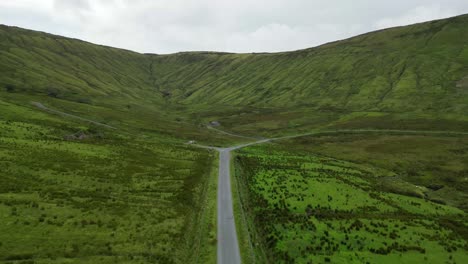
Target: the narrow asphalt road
(228, 246)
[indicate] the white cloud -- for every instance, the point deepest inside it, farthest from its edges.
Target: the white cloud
(416, 15)
(71, 5)
(166, 26)
(281, 37)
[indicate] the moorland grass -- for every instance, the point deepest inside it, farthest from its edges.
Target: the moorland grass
(434, 163)
(307, 207)
(109, 197)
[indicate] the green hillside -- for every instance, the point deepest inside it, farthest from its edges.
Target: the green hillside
(397, 70)
(413, 68)
(419, 69)
(69, 68)
(415, 73)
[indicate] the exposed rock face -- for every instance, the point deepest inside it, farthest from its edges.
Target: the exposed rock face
(77, 136)
(215, 123)
(463, 83)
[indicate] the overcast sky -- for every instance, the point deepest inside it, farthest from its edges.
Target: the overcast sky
(167, 26)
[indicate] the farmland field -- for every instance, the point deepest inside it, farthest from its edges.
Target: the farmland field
(311, 203)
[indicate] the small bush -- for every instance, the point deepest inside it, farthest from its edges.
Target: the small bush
(19, 257)
(52, 92)
(10, 88)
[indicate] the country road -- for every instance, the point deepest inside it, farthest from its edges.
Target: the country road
(228, 246)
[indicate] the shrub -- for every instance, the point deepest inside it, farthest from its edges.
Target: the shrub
(84, 100)
(10, 88)
(52, 92)
(19, 257)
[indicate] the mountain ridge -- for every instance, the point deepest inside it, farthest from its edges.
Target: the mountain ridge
(228, 52)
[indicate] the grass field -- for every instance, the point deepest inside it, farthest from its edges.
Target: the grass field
(436, 164)
(108, 197)
(325, 199)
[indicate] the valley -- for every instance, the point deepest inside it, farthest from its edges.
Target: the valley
(355, 151)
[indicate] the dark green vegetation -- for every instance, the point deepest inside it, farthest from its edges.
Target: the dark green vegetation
(356, 198)
(72, 191)
(436, 164)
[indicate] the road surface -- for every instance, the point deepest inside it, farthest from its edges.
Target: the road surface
(228, 246)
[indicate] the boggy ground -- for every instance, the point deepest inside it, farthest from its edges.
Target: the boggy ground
(354, 198)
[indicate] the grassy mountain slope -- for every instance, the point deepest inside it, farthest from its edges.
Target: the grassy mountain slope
(105, 84)
(406, 73)
(69, 68)
(414, 68)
